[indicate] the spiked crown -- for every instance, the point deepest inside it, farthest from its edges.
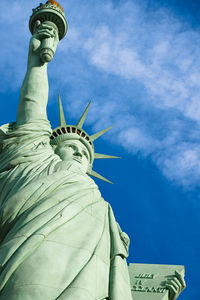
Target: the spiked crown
(75, 132)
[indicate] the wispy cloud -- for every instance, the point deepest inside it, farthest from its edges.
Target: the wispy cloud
(142, 69)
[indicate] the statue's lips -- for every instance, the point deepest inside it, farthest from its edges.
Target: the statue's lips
(77, 159)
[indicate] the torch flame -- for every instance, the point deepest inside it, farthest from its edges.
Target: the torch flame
(54, 3)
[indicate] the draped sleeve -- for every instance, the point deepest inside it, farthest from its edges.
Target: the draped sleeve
(24, 143)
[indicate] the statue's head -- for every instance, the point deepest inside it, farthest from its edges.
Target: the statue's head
(72, 143)
(74, 151)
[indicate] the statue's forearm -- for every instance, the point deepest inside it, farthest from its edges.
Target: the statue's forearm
(33, 95)
(35, 88)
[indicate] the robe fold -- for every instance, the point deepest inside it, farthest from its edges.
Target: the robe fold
(58, 237)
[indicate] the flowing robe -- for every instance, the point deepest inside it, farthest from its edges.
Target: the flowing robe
(58, 237)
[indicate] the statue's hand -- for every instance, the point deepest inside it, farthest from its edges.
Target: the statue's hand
(41, 32)
(175, 284)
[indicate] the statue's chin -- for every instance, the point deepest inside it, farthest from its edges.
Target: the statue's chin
(71, 165)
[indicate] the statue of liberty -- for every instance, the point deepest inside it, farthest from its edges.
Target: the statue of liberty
(59, 238)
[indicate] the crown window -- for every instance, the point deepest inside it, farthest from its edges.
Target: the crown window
(59, 132)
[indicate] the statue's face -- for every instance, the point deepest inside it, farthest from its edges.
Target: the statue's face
(74, 150)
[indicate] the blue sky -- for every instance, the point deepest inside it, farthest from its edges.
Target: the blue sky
(139, 63)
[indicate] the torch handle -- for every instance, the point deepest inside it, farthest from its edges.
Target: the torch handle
(47, 52)
(47, 47)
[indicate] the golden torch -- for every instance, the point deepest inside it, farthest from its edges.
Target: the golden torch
(51, 13)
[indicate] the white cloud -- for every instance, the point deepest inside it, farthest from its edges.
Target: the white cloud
(165, 63)
(182, 163)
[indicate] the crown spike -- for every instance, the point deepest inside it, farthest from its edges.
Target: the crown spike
(95, 174)
(61, 113)
(98, 134)
(103, 156)
(82, 119)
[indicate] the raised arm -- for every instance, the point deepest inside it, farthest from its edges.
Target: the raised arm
(35, 88)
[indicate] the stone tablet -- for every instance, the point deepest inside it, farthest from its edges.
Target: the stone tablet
(146, 280)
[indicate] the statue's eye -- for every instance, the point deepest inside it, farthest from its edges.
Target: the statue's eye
(73, 147)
